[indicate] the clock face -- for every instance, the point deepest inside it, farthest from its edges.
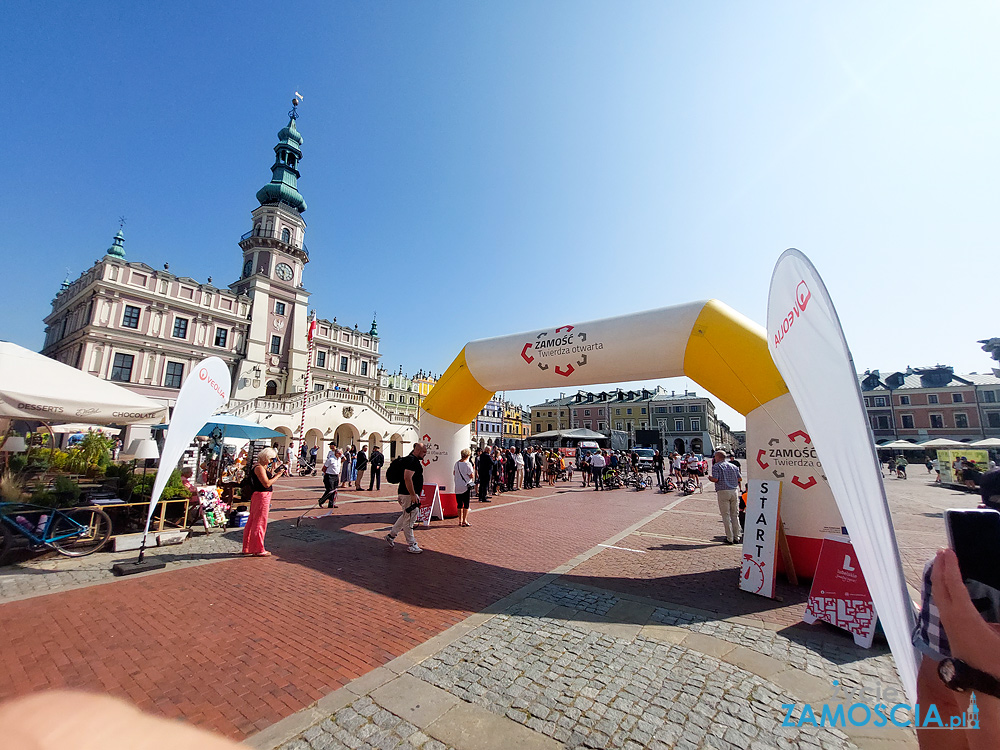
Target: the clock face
(247, 268)
(284, 271)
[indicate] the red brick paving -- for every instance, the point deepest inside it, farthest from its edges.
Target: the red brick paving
(237, 645)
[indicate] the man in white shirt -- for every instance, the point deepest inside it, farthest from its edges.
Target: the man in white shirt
(597, 464)
(332, 467)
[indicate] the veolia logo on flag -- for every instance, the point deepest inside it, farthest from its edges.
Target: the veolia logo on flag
(198, 400)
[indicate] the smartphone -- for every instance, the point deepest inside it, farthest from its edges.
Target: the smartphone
(975, 537)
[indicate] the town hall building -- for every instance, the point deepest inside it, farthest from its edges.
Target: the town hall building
(145, 328)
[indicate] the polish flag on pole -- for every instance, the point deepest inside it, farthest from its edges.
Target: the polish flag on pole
(312, 328)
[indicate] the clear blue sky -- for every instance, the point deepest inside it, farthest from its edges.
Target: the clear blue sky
(505, 162)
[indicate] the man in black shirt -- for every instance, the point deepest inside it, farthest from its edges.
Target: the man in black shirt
(375, 463)
(485, 474)
(408, 497)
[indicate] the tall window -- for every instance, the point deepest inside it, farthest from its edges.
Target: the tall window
(956, 398)
(321, 359)
(343, 364)
(961, 420)
(932, 398)
(279, 308)
(180, 328)
(695, 424)
(989, 397)
(286, 236)
(678, 425)
(880, 422)
(993, 418)
(600, 425)
(131, 317)
(221, 334)
(937, 421)
(174, 374)
(121, 370)
(364, 368)
(275, 344)
(619, 425)
(907, 421)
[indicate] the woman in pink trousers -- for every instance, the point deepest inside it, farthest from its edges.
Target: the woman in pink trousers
(260, 502)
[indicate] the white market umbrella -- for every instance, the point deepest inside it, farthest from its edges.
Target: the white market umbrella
(987, 443)
(943, 443)
(900, 445)
(35, 387)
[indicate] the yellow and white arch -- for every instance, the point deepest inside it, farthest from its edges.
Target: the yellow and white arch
(707, 341)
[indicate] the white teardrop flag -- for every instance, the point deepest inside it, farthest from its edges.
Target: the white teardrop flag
(807, 344)
(205, 390)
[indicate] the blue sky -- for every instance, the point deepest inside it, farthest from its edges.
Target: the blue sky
(477, 169)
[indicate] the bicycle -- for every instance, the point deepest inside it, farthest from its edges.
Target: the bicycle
(73, 532)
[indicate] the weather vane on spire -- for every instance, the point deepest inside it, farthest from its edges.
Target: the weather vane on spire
(121, 223)
(296, 100)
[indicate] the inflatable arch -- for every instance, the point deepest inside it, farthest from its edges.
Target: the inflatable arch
(707, 341)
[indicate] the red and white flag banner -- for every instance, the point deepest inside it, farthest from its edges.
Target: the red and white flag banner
(808, 346)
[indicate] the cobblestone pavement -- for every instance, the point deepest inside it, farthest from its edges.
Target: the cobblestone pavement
(587, 689)
(363, 725)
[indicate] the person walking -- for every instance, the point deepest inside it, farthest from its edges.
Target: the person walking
(361, 466)
(375, 466)
(264, 476)
(408, 497)
(597, 464)
(465, 478)
(332, 468)
(727, 480)
(485, 470)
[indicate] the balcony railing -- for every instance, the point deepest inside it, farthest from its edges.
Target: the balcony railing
(270, 234)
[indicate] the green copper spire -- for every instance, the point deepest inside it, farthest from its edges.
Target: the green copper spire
(283, 187)
(117, 250)
(374, 331)
(66, 282)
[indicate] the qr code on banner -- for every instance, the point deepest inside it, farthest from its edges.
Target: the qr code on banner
(854, 615)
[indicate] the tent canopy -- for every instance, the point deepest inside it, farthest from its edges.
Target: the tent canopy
(35, 387)
(577, 434)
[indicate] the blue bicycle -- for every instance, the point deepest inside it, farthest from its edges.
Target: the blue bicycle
(73, 532)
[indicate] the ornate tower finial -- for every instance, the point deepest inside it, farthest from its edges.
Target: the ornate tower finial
(374, 330)
(283, 187)
(66, 282)
(117, 249)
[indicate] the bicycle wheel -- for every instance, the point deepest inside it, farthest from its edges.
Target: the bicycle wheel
(6, 541)
(83, 531)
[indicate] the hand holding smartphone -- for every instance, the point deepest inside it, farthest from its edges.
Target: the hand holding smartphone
(975, 537)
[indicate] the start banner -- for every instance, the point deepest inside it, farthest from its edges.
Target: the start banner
(760, 537)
